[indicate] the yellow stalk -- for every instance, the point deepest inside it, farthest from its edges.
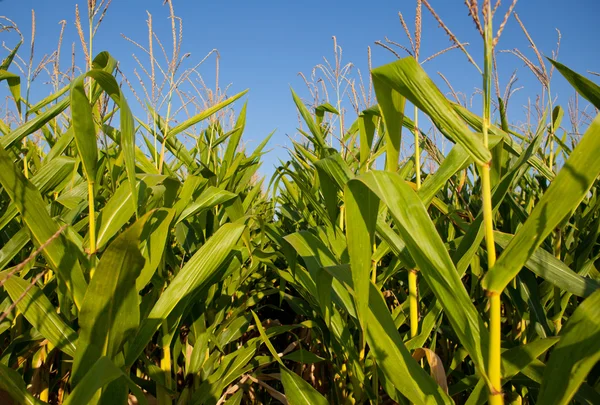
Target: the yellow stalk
(494, 357)
(92, 216)
(557, 303)
(165, 365)
(413, 302)
(412, 274)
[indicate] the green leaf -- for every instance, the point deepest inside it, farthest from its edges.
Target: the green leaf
(389, 351)
(101, 373)
(298, 391)
(547, 266)
(196, 272)
(575, 355)
(211, 197)
(60, 252)
(361, 219)
(119, 209)
(409, 79)
(314, 129)
(391, 104)
(12, 382)
(154, 239)
(109, 84)
(14, 84)
(234, 139)
(204, 115)
(564, 194)
(110, 313)
(13, 247)
(84, 128)
(513, 361)
(584, 86)
(52, 177)
(34, 124)
(41, 314)
(429, 253)
(303, 356)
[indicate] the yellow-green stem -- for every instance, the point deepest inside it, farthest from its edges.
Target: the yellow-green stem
(165, 364)
(413, 302)
(494, 357)
(92, 216)
(557, 303)
(417, 149)
(166, 124)
(412, 274)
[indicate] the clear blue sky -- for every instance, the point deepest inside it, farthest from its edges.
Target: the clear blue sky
(264, 44)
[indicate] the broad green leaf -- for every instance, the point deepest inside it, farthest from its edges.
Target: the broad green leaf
(389, 351)
(154, 240)
(316, 255)
(13, 247)
(547, 266)
(34, 124)
(584, 86)
(429, 253)
(100, 374)
(313, 127)
(14, 84)
(60, 253)
(476, 122)
(41, 314)
(361, 219)
(196, 272)
(367, 126)
(564, 194)
(110, 313)
(575, 355)
(109, 84)
(303, 356)
(204, 115)
(52, 177)
(234, 139)
(391, 104)
(409, 79)
(298, 391)
(12, 382)
(119, 209)
(84, 128)
(211, 197)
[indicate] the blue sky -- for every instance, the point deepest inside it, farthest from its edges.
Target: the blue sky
(264, 44)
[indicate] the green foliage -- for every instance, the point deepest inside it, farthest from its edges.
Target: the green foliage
(142, 258)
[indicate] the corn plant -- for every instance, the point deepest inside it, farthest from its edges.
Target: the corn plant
(144, 260)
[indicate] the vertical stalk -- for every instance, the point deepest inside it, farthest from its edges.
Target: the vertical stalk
(494, 358)
(551, 134)
(412, 274)
(166, 124)
(413, 302)
(557, 304)
(165, 364)
(92, 215)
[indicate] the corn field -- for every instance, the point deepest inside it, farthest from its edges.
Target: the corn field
(144, 260)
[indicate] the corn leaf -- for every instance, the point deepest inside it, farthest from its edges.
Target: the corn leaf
(409, 79)
(575, 355)
(564, 194)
